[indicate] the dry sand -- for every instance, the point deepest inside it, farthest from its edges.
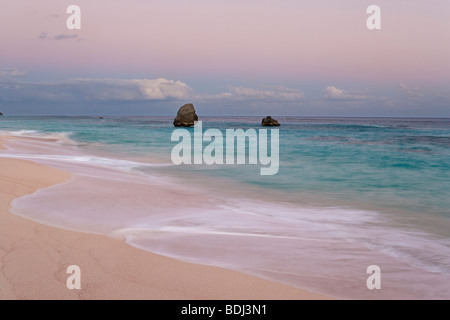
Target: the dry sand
(34, 258)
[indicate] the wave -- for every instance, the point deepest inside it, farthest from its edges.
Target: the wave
(48, 148)
(88, 160)
(63, 138)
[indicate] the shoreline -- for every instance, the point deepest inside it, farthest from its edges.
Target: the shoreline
(34, 258)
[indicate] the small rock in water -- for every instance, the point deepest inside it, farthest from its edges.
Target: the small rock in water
(269, 122)
(186, 116)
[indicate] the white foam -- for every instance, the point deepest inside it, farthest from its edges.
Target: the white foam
(58, 150)
(22, 133)
(58, 137)
(88, 160)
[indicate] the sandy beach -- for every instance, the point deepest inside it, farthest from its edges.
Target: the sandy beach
(34, 258)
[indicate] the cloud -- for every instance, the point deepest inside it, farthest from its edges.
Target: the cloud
(333, 93)
(10, 74)
(43, 35)
(110, 89)
(65, 36)
(89, 89)
(159, 89)
(413, 93)
(267, 93)
(98, 90)
(46, 35)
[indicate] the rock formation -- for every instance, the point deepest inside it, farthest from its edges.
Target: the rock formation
(1, 114)
(269, 122)
(186, 116)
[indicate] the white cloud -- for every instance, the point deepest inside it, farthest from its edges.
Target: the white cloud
(92, 89)
(46, 35)
(98, 89)
(65, 36)
(159, 89)
(110, 89)
(413, 93)
(9, 74)
(278, 93)
(333, 93)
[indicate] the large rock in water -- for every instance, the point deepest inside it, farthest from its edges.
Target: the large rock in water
(186, 116)
(1, 114)
(269, 122)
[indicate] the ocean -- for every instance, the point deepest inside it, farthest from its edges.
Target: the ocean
(349, 193)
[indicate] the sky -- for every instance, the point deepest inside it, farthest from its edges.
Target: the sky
(247, 57)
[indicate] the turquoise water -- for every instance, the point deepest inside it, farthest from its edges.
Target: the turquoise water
(381, 184)
(393, 163)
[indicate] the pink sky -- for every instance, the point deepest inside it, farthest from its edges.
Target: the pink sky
(301, 57)
(291, 39)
